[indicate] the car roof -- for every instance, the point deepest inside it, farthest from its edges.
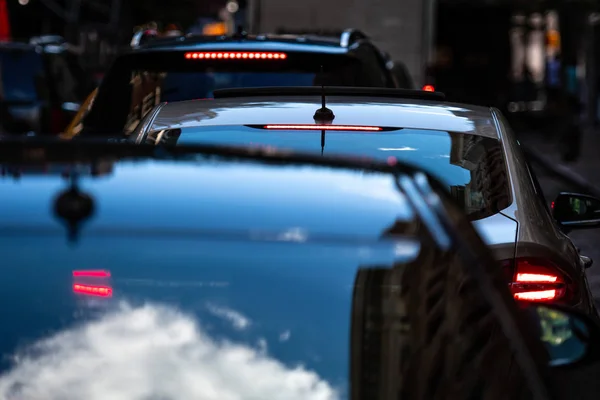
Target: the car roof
(348, 110)
(309, 43)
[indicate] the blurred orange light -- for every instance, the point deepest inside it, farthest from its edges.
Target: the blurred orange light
(429, 88)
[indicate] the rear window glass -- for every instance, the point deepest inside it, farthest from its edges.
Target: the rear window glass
(138, 82)
(472, 166)
(21, 72)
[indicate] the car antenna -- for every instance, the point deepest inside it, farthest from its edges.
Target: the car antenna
(323, 116)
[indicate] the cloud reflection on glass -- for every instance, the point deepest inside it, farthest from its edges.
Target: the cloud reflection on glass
(153, 351)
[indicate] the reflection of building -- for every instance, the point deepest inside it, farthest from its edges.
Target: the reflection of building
(484, 159)
(377, 317)
(146, 93)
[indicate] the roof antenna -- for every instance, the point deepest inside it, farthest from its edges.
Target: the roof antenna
(323, 116)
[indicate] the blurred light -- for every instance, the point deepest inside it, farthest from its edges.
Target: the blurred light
(429, 88)
(230, 55)
(309, 127)
(215, 29)
(23, 2)
(232, 6)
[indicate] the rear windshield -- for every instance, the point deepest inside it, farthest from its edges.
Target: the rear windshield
(139, 81)
(472, 166)
(21, 72)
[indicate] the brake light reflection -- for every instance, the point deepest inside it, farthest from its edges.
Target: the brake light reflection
(234, 55)
(92, 283)
(92, 273)
(92, 290)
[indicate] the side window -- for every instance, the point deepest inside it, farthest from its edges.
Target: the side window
(374, 70)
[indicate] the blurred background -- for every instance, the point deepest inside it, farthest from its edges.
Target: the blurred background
(517, 55)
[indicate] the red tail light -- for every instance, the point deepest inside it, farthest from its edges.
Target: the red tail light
(536, 280)
(311, 127)
(235, 55)
(92, 290)
(429, 88)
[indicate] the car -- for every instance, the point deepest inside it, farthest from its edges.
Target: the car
(42, 85)
(472, 149)
(193, 265)
(192, 67)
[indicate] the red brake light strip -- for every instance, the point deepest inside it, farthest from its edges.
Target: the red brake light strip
(235, 55)
(92, 290)
(310, 127)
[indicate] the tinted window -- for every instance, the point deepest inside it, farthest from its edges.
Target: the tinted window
(139, 81)
(21, 72)
(472, 166)
(67, 76)
(374, 65)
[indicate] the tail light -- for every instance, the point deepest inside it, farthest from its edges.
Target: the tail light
(536, 280)
(429, 88)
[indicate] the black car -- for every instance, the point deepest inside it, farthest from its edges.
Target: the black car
(191, 274)
(193, 67)
(41, 86)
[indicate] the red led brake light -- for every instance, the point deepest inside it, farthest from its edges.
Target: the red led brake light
(92, 290)
(535, 281)
(313, 127)
(92, 274)
(235, 55)
(429, 88)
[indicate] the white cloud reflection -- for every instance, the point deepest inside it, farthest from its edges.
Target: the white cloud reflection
(238, 320)
(152, 352)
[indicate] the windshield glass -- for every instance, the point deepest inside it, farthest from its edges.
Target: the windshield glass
(144, 80)
(19, 71)
(214, 289)
(472, 166)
